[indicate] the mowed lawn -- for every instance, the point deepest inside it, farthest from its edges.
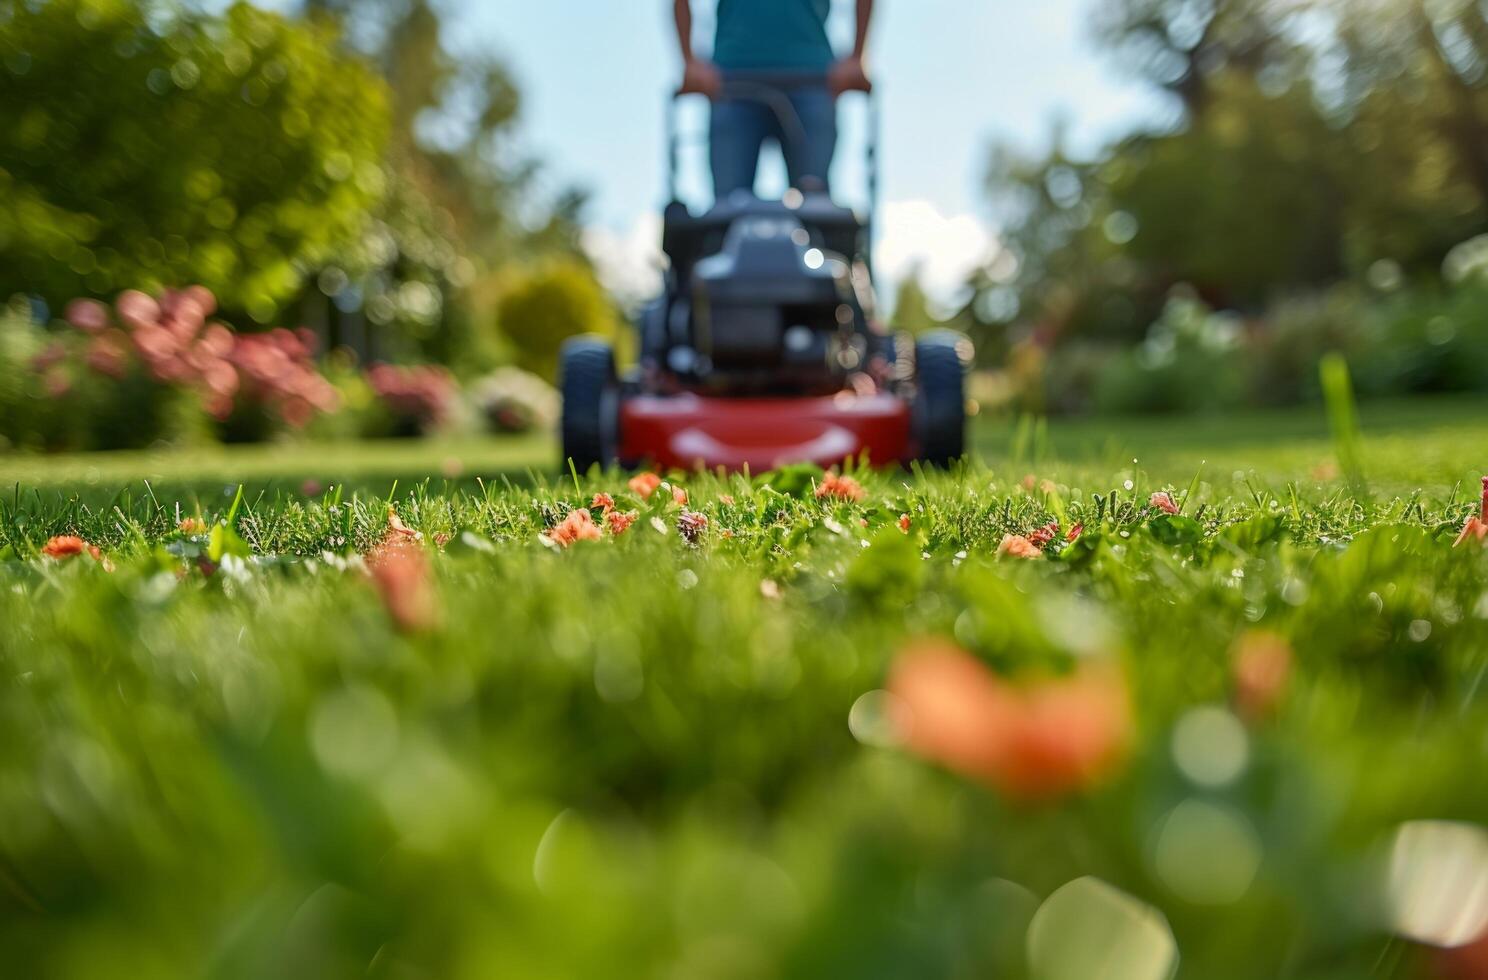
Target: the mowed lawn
(1189, 703)
(1430, 444)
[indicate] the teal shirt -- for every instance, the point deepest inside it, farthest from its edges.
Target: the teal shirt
(774, 34)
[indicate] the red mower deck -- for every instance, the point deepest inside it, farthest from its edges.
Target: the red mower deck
(687, 430)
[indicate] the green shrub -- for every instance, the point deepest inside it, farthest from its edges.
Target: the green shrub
(548, 305)
(1191, 361)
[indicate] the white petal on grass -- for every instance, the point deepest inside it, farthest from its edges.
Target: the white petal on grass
(1437, 883)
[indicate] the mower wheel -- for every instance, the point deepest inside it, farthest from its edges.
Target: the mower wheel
(590, 402)
(940, 404)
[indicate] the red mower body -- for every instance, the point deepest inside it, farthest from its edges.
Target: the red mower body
(690, 431)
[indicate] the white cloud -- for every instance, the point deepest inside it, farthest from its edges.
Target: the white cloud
(945, 249)
(629, 263)
(912, 235)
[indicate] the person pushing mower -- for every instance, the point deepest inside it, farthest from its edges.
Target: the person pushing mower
(773, 35)
(763, 349)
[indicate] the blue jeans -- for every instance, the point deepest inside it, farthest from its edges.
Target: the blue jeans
(741, 127)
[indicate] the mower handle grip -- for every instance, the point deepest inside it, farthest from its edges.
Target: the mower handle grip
(747, 83)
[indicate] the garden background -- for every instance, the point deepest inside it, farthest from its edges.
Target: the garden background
(1310, 177)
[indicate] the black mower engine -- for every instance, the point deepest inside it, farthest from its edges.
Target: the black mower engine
(763, 298)
(772, 309)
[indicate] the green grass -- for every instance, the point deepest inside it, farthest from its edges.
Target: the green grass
(643, 757)
(1426, 443)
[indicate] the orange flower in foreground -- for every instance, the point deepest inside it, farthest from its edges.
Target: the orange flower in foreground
(620, 523)
(64, 546)
(1163, 501)
(396, 527)
(904, 523)
(679, 496)
(1476, 527)
(837, 487)
(603, 501)
(193, 526)
(1018, 547)
(644, 485)
(405, 582)
(1261, 666)
(577, 526)
(951, 709)
(1071, 732)
(1034, 742)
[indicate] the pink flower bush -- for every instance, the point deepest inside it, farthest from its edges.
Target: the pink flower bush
(422, 397)
(171, 341)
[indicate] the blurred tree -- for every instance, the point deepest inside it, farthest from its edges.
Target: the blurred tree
(1247, 202)
(465, 207)
(1182, 46)
(912, 306)
(547, 305)
(152, 146)
(1318, 143)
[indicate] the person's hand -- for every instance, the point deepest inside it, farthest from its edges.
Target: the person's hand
(701, 77)
(849, 75)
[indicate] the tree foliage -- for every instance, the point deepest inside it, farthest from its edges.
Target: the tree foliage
(153, 146)
(465, 205)
(1315, 144)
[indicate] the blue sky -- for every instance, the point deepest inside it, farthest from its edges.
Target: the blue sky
(954, 76)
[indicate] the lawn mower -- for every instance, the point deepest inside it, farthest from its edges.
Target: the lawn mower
(763, 349)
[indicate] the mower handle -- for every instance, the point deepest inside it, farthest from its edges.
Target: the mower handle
(772, 88)
(746, 83)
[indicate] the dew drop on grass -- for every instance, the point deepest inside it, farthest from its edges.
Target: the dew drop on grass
(1420, 630)
(1210, 746)
(1206, 853)
(618, 676)
(1088, 929)
(353, 732)
(871, 720)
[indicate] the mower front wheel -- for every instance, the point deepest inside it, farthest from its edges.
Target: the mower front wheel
(591, 399)
(940, 400)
